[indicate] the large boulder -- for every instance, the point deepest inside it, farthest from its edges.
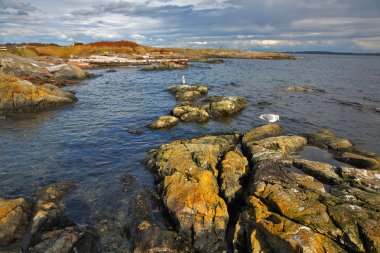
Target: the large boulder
(19, 66)
(164, 122)
(66, 71)
(23, 96)
(219, 106)
(14, 219)
(186, 173)
(188, 92)
(190, 113)
(327, 139)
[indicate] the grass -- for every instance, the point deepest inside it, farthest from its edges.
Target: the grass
(79, 49)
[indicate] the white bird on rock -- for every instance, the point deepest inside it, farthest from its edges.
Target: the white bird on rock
(183, 80)
(271, 118)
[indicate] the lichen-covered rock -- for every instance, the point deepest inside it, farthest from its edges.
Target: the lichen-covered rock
(273, 148)
(190, 113)
(360, 177)
(164, 122)
(233, 168)
(360, 161)
(262, 132)
(218, 106)
(14, 219)
(188, 96)
(270, 232)
(326, 139)
(322, 171)
(48, 211)
(188, 93)
(184, 87)
(23, 96)
(187, 173)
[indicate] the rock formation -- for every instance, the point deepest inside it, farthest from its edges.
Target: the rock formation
(268, 199)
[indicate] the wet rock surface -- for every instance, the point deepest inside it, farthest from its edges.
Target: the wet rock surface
(42, 225)
(190, 113)
(219, 106)
(188, 92)
(22, 96)
(164, 122)
(303, 88)
(165, 66)
(284, 203)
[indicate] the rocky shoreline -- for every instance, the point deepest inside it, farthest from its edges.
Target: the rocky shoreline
(250, 192)
(267, 198)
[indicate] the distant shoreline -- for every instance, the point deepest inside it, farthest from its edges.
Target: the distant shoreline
(331, 53)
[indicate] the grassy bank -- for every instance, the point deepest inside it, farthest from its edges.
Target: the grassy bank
(132, 48)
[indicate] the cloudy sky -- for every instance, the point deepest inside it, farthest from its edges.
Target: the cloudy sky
(280, 25)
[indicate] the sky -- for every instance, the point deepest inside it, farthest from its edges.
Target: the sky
(262, 25)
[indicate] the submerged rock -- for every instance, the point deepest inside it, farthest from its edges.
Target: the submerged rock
(218, 106)
(164, 122)
(190, 113)
(23, 96)
(42, 225)
(303, 88)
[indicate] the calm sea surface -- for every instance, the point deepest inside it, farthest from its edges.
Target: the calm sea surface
(87, 142)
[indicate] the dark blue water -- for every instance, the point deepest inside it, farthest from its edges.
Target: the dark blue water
(87, 142)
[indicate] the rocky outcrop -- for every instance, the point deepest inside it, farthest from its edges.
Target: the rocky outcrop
(190, 113)
(23, 96)
(166, 65)
(42, 225)
(14, 218)
(186, 173)
(326, 139)
(280, 202)
(19, 66)
(234, 168)
(164, 122)
(219, 106)
(188, 92)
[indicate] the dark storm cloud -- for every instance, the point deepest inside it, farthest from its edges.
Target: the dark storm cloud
(342, 25)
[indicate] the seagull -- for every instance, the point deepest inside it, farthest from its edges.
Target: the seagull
(271, 118)
(183, 80)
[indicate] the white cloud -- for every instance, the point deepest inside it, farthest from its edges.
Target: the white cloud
(372, 44)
